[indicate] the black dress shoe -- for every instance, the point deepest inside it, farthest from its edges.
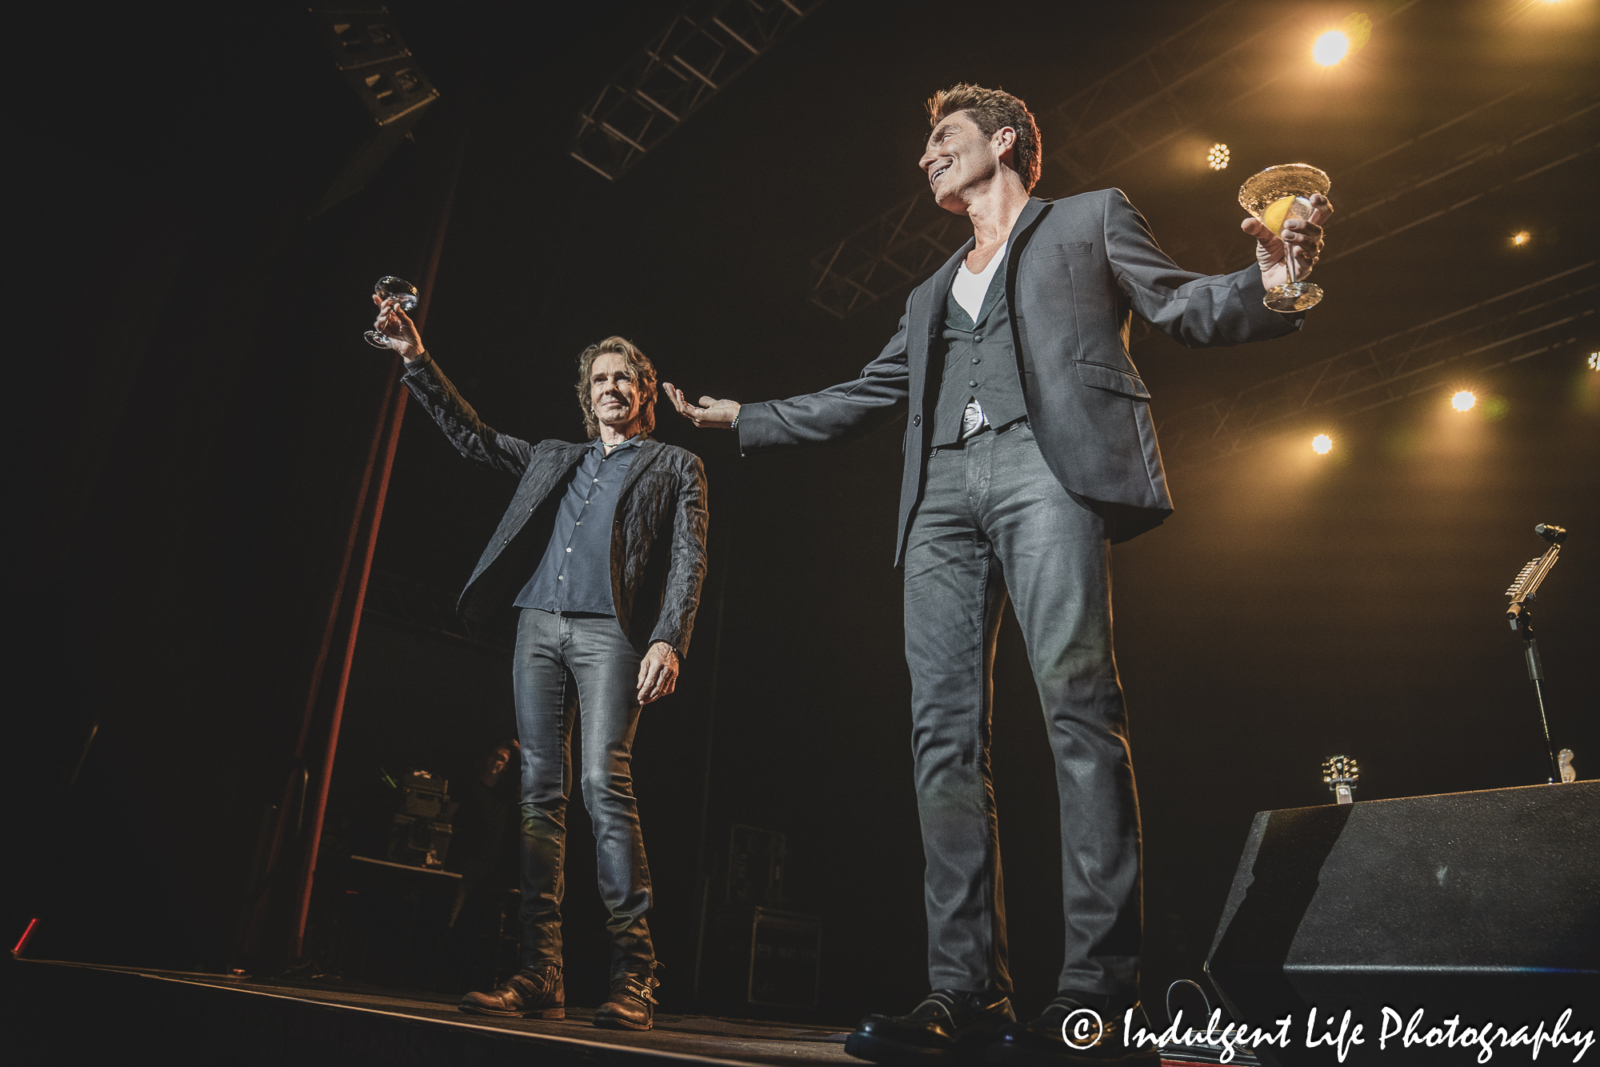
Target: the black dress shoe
(630, 1005)
(529, 994)
(947, 1026)
(1093, 1039)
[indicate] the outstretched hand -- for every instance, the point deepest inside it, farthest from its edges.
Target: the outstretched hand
(395, 324)
(1303, 237)
(709, 412)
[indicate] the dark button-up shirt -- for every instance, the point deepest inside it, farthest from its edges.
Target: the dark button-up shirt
(575, 573)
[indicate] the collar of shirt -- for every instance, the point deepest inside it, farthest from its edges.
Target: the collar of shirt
(636, 439)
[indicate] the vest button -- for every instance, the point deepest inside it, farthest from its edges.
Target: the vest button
(972, 385)
(977, 337)
(975, 359)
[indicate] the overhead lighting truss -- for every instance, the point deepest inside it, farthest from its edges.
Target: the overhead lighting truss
(1551, 313)
(704, 47)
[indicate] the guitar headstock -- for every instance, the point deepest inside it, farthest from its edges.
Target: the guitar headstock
(1339, 773)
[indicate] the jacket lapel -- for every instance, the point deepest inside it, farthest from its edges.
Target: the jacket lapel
(649, 452)
(1031, 214)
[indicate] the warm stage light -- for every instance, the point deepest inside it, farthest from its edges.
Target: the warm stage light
(1463, 401)
(1322, 444)
(1594, 360)
(1330, 48)
(1217, 158)
(1521, 238)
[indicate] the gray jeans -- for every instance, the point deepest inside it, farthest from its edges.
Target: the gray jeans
(567, 665)
(993, 521)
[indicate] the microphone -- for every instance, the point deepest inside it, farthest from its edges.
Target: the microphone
(1551, 533)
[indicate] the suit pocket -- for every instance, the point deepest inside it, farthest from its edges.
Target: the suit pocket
(1112, 380)
(1061, 251)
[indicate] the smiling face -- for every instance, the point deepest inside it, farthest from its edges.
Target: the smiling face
(959, 159)
(615, 394)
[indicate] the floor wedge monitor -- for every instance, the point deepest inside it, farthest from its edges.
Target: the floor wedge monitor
(1440, 924)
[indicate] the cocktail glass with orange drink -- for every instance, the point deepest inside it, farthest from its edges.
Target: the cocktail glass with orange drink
(1275, 196)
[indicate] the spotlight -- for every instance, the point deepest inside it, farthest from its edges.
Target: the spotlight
(1330, 48)
(1463, 401)
(1322, 444)
(1521, 237)
(1217, 158)
(1594, 360)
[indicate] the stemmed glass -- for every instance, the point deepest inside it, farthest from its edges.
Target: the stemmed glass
(404, 295)
(1274, 196)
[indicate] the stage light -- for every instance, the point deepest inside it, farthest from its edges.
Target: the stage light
(1330, 48)
(1322, 444)
(1463, 401)
(1594, 360)
(1521, 237)
(1217, 158)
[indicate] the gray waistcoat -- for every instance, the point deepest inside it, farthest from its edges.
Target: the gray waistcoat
(979, 364)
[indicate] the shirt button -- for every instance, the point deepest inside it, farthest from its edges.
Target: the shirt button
(569, 550)
(561, 577)
(597, 480)
(580, 522)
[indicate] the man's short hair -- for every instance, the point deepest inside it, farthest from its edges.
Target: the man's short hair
(993, 110)
(644, 381)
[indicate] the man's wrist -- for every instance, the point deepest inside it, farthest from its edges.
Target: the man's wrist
(417, 360)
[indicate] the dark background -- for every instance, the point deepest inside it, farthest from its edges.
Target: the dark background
(192, 404)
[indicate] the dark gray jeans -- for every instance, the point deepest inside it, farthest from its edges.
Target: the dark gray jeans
(994, 520)
(567, 665)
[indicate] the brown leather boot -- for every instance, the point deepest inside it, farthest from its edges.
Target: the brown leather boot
(529, 994)
(630, 1005)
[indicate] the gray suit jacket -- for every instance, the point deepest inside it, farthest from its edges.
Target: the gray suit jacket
(1077, 269)
(658, 535)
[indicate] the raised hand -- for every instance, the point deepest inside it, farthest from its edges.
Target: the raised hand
(1303, 236)
(709, 412)
(395, 324)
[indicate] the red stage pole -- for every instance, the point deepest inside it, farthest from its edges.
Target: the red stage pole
(395, 417)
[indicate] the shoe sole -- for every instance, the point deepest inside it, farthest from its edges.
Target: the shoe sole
(605, 1022)
(542, 1013)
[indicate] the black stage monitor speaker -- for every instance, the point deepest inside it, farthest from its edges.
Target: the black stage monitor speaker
(1479, 907)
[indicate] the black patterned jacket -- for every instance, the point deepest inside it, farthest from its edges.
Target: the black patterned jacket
(658, 535)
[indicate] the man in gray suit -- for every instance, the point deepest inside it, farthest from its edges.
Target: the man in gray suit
(603, 550)
(1030, 450)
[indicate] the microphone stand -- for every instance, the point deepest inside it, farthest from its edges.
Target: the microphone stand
(1522, 592)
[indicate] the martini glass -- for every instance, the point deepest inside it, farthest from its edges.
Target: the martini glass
(404, 295)
(1274, 196)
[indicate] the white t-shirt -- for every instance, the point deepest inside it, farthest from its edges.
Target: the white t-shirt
(969, 289)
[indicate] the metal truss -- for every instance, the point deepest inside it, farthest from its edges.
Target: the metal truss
(1516, 325)
(704, 47)
(1515, 153)
(1112, 123)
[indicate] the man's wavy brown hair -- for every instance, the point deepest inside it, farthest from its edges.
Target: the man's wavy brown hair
(644, 381)
(993, 110)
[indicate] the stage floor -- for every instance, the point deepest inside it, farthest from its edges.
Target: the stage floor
(84, 1013)
(304, 1018)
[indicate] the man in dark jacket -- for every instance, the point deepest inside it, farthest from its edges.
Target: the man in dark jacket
(603, 550)
(1030, 449)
